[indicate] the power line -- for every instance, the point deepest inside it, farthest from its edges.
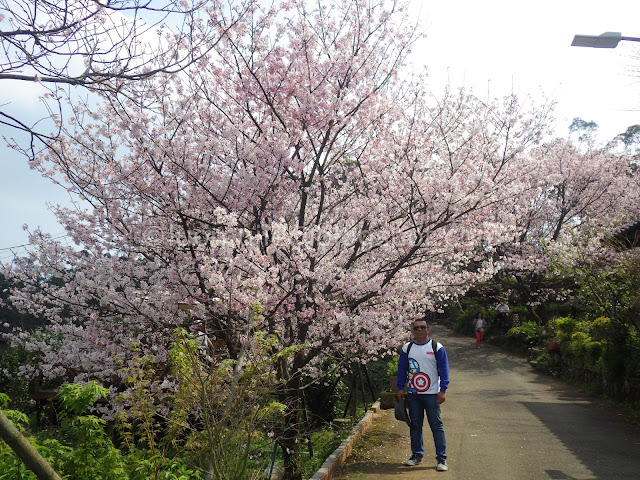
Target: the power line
(62, 235)
(9, 253)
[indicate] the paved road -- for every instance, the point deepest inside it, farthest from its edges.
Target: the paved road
(504, 421)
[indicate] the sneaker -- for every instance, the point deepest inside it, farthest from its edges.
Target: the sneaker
(414, 460)
(442, 465)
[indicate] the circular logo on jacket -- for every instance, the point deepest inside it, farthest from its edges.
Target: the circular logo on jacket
(421, 382)
(414, 367)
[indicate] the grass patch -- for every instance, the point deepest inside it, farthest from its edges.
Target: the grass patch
(323, 443)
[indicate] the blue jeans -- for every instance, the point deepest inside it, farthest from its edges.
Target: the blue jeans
(418, 404)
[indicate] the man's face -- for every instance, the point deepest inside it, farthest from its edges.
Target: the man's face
(420, 331)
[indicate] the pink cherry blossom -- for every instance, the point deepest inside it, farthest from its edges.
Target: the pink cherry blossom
(297, 182)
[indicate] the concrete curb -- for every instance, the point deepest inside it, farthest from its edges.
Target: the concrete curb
(341, 453)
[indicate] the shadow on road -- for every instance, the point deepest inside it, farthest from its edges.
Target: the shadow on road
(558, 475)
(594, 435)
(506, 421)
(583, 430)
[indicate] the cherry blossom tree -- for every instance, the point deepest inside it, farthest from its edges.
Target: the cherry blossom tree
(576, 191)
(292, 181)
(110, 45)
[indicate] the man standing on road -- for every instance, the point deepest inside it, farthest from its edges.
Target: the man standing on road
(424, 367)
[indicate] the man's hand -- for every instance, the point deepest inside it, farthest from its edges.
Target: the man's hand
(441, 397)
(401, 394)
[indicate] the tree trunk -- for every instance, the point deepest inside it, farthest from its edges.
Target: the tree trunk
(353, 388)
(25, 451)
(290, 443)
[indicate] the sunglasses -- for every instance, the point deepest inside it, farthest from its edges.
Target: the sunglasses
(420, 327)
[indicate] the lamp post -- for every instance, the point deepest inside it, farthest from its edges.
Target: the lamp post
(605, 40)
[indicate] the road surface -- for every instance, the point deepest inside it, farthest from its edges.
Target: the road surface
(504, 421)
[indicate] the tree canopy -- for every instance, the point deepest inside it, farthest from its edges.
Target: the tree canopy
(295, 180)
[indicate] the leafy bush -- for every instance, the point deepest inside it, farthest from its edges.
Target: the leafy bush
(593, 354)
(378, 371)
(82, 451)
(458, 319)
(632, 366)
(618, 350)
(564, 327)
(553, 348)
(82, 448)
(11, 382)
(544, 359)
(578, 344)
(12, 468)
(526, 334)
(613, 363)
(604, 328)
(548, 361)
(392, 366)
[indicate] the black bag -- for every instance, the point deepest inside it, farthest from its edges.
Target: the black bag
(401, 411)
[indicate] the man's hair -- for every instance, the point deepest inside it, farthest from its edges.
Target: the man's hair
(419, 320)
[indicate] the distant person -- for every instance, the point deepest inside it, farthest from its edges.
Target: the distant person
(502, 308)
(478, 327)
(424, 367)
(502, 315)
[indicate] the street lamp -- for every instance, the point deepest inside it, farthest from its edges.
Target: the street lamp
(605, 40)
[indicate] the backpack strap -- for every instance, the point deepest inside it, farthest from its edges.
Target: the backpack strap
(409, 348)
(434, 344)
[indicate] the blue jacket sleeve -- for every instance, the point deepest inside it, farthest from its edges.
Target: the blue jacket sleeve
(403, 368)
(443, 368)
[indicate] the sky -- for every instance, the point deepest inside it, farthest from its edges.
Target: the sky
(492, 47)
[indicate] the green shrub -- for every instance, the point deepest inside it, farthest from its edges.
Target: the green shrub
(94, 456)
(613, 363)
(578, 344)
(548, 361)
(82, 448)
(526, 334)
(593, 356)
(378, 372)
(461, 321)
(11, 382)
(564, 327)
(584, 326)
(392, 366)
(632, 366)
(566, 324)
(604, 328)
(544, 359)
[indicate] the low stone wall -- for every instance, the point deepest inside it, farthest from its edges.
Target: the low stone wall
(340, 454)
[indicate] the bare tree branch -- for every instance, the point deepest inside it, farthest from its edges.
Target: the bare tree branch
(110, 46)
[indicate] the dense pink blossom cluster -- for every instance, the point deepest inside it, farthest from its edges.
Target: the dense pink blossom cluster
(297, 171)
